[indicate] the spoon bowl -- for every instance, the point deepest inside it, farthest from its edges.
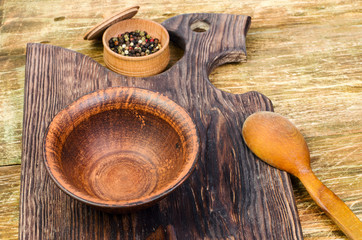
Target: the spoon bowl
(286, 148)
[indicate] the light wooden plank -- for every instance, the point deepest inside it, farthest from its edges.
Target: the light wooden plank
(304, 55)
(9, 201)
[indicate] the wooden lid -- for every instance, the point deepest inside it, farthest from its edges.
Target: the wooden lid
(98, 30)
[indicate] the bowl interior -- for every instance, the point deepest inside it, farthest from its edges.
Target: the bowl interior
(154, 29)
(121, 147)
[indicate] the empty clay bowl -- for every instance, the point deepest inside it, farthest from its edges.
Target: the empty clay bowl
(121, 148)
(144, 66)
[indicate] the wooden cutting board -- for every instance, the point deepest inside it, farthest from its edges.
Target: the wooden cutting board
(230, 195)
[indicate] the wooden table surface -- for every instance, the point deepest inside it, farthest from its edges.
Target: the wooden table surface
(304, 55)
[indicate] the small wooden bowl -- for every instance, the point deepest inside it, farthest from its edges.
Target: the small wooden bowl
(121, 149)
(137, 66)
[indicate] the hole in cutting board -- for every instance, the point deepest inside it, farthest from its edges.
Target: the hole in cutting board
(200, 26)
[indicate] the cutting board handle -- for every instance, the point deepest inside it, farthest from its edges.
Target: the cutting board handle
(221, 40)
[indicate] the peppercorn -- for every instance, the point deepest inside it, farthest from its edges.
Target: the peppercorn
(135, 43)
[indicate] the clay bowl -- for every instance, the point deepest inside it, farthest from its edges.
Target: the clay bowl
(121, 149)
(137, 66)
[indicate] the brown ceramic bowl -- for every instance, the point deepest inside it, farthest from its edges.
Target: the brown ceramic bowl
(137, 66)
(121, 148)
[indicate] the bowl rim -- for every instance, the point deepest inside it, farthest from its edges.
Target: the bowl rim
(121, 205)
(141, 58)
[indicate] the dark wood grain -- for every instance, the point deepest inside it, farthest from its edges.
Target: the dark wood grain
(231, 194)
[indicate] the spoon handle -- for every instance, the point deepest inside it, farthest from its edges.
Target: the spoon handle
(333, 206)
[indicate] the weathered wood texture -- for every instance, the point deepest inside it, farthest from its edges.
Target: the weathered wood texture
(304, 55)
(9, 199)
(230, 194)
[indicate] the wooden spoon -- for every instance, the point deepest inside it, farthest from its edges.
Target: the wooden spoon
(275, 140)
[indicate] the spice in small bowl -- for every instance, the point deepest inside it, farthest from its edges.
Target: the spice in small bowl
(134, 44)
(138, 66)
